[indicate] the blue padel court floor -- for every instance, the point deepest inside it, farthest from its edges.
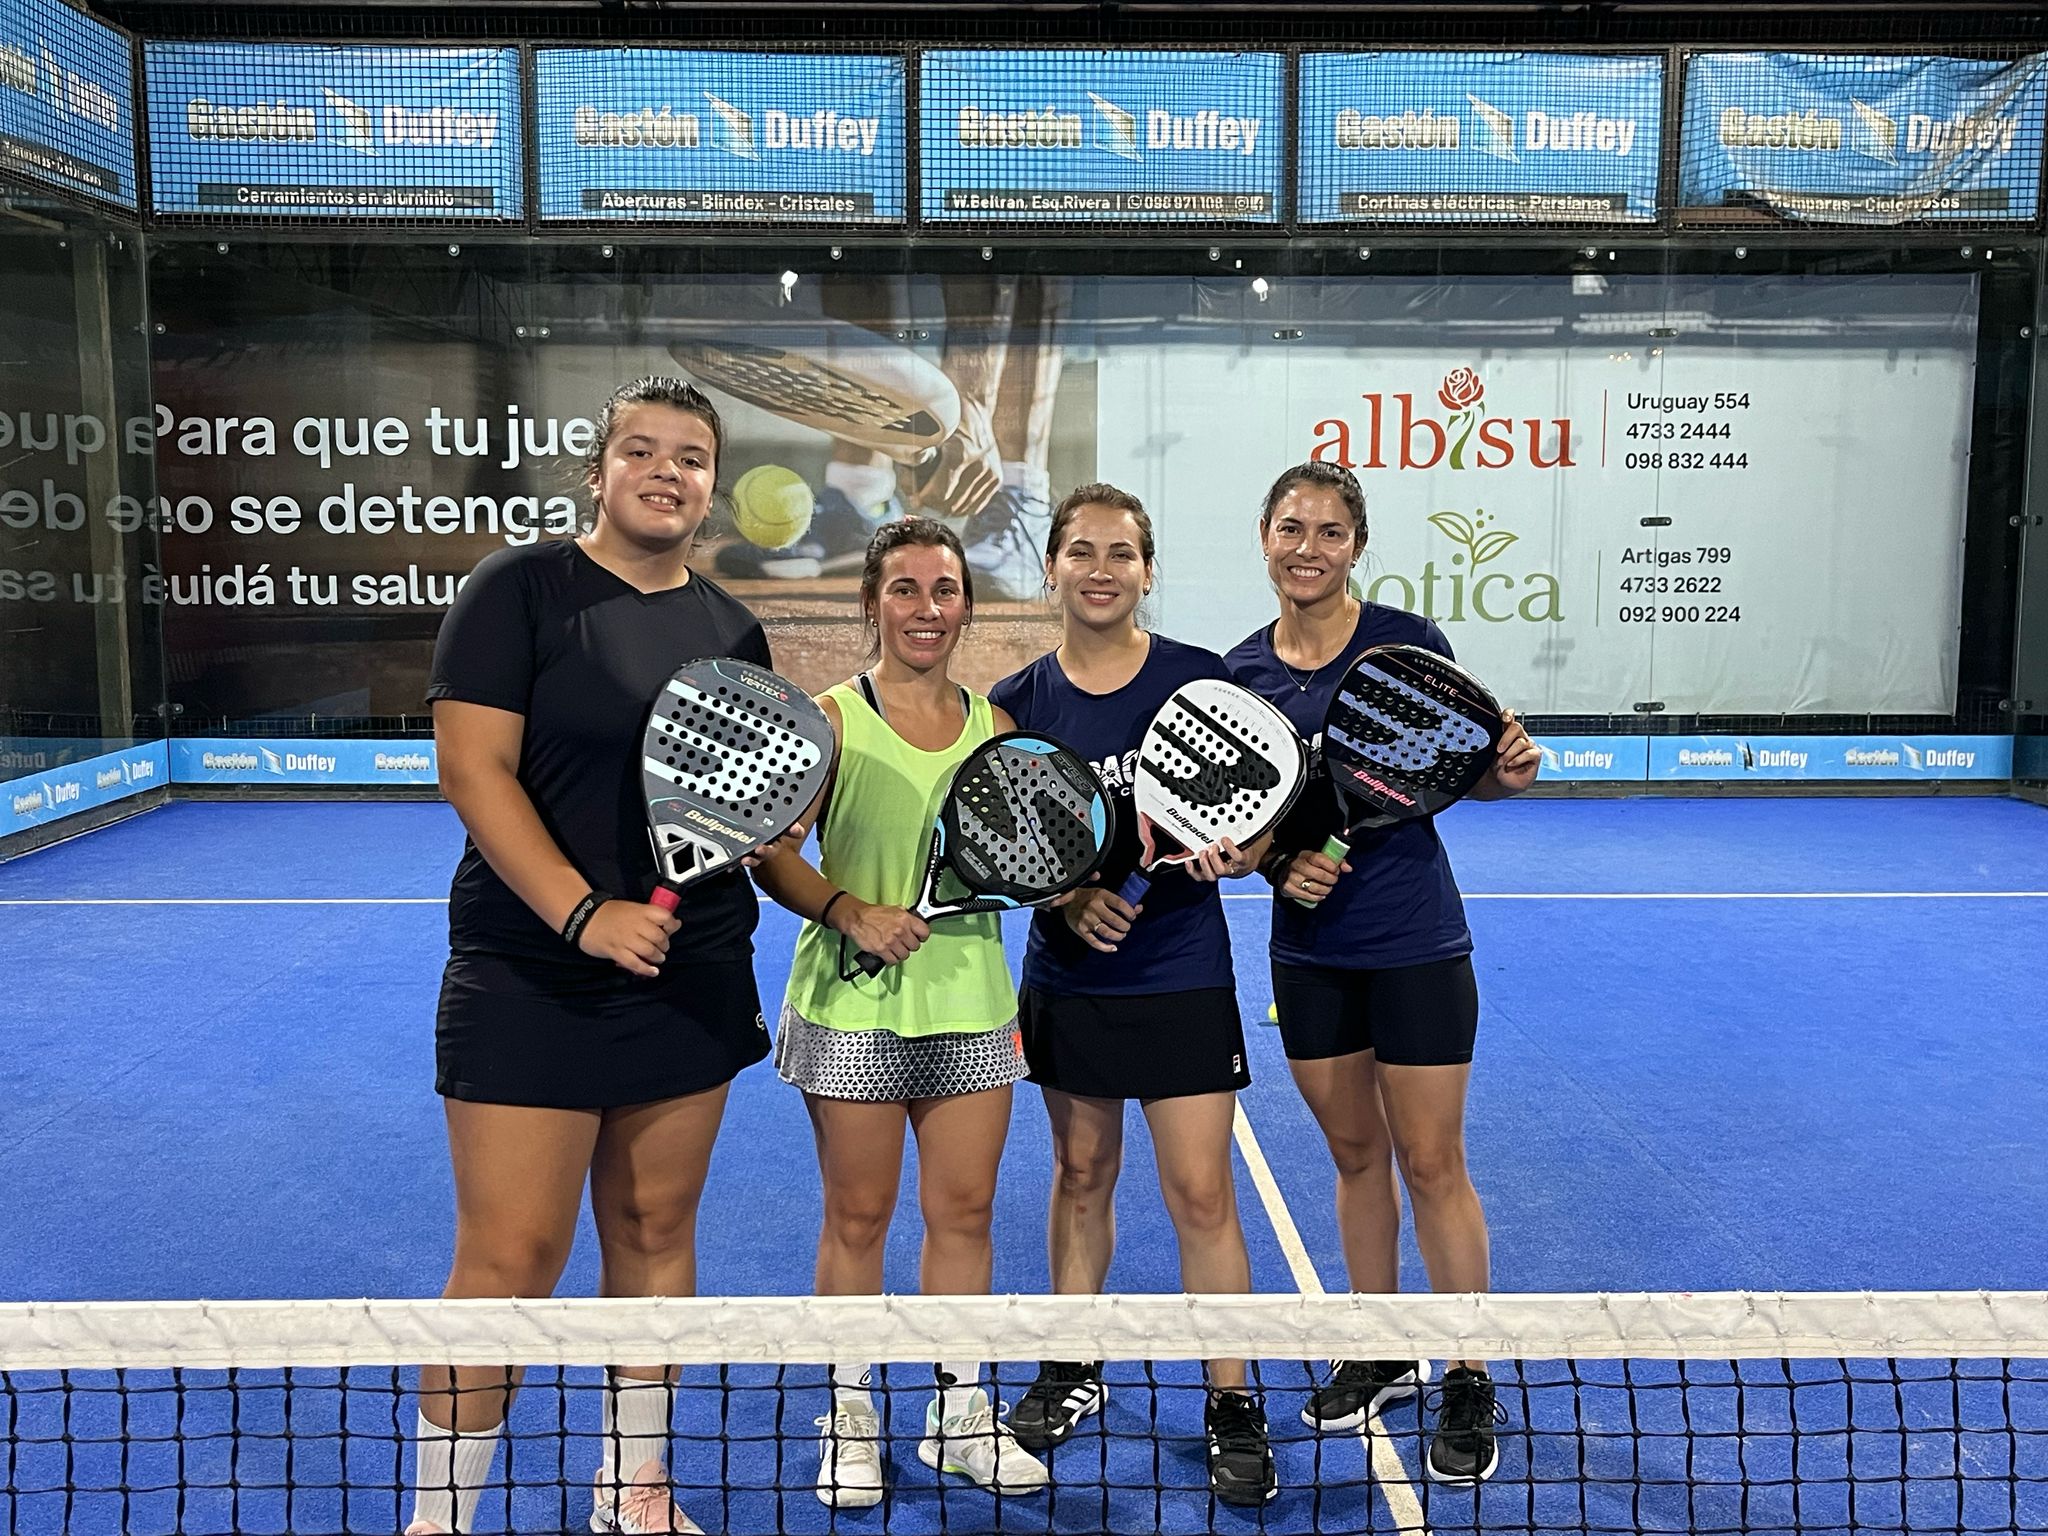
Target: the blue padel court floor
(1725, 1044)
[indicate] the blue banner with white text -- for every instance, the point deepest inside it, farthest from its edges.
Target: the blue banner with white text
(1864, 139)
(1073, 136)
(1479, 137)
(283, 762)
(302, 130)
(672, 134)
(1830, 757)
(67, 85)
(36, 799)
(1598, 759)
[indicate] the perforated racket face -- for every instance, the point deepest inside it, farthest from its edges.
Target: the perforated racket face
(868, 405)
(732, 757)
(1409, 733)
(1025, 818)
(1217, 761)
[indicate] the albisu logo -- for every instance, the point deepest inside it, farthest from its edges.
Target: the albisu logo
(1394, 434)
(1466, 591)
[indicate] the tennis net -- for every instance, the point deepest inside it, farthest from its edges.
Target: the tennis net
(1707, 1413)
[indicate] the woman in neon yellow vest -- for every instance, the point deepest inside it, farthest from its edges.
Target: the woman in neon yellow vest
(931, 1043)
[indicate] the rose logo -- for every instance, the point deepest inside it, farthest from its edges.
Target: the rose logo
(1460, 394)
(1461, 390)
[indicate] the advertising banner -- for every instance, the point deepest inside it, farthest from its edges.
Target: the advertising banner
(1070, 136)
(298, 130)
(1864, 139)
(1480, 137)
(66, 87)
(669, 134)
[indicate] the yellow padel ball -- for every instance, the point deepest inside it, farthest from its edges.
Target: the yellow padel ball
(771, 506)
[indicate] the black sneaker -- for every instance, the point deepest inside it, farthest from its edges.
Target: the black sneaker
(1358, 1389)
(1064, 1394)
(1240, 1459)
(1462, 1448)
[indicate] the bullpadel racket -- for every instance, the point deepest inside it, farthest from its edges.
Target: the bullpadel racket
(733, 755)
(1024, 820)
(1407, 734)
(1217, 761)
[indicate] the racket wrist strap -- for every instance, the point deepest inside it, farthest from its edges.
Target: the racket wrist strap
(580, 915)
(825, 912)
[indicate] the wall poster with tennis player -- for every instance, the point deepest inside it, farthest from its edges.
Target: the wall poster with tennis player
(1733, 497)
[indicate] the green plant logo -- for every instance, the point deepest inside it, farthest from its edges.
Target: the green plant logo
(1469, 533)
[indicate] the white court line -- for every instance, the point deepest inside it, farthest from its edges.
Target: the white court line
(438, 901)
(1387, 1470)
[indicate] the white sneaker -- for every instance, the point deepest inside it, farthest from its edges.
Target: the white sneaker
(641, 1507)
(424, 1528)
(978, 1445)
(850, 1457)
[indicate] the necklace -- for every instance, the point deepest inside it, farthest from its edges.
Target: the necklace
(1300, 683)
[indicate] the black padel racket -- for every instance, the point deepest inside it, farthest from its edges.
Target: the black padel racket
(1217, 761)
(1024, 820)
(1406, 735)
(734, 754)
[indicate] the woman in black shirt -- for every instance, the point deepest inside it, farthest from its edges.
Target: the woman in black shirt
(570, 1042)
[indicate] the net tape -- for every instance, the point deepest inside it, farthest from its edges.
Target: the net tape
(732, 1330)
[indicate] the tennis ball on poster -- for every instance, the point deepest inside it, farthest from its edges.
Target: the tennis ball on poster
(1272, 1013)
(771, 506)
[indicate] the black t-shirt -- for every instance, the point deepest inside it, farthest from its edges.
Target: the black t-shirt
(548, 633)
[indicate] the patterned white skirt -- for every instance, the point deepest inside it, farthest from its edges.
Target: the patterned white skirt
(876, 1067)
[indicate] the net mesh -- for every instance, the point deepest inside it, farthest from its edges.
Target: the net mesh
(1700, 1413)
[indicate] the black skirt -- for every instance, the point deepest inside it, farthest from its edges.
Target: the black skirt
(569, 1036)
(1156, 1045)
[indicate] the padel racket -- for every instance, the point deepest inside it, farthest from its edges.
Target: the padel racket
(837, 378)
(1407, 734)
(1024, 820)
(1217, 761)
(733, 755)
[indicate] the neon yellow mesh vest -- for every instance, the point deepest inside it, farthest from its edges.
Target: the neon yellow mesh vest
(877, 833)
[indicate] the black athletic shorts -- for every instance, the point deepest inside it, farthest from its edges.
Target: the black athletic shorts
(1408, 1015)
(570, 1036)
(1155, 1045)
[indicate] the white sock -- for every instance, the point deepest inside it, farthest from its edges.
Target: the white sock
(449, 1478)
(1028, 479)
(958, 1387)
(636, 1428)
(851, 1385)
(867, 486)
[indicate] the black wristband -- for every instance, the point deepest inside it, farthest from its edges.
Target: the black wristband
(579, 919)
(826, 910)
(1274, 865)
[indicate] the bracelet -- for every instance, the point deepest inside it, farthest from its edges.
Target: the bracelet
(1274, 866)
(826, 910)
(579, 918)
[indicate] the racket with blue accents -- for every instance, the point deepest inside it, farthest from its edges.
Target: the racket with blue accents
(1408, 733)
(1217, 761)
(1024, 820)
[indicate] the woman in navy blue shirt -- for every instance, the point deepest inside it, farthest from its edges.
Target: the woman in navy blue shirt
(1131, 1002)
(1372, 977)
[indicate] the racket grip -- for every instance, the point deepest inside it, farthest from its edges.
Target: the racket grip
(870, 963)
(1134, 887)
(1334, 848)
(665, 897)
